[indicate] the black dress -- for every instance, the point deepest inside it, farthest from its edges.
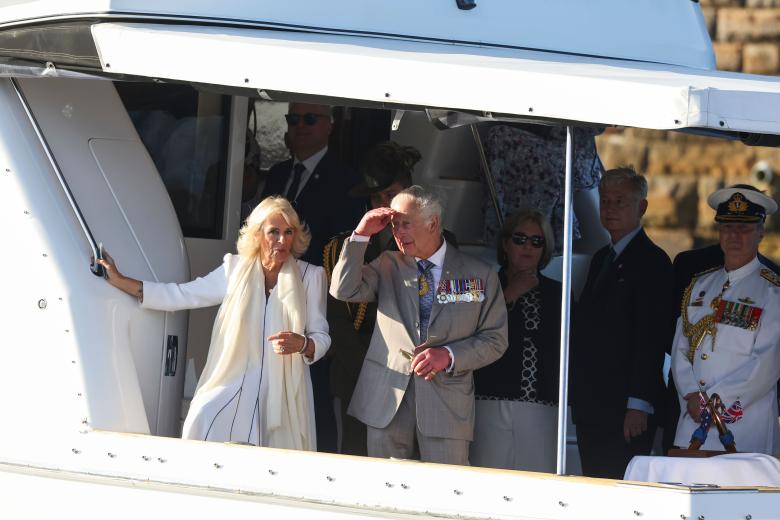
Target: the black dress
(528, 370)
(517, 396)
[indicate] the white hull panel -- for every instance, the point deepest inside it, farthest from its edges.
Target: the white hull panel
(194, 478)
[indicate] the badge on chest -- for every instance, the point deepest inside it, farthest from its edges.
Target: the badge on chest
(738, 314)
(460, 290)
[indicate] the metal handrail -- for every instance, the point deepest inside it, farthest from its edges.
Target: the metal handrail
(563, 385)
(95, 268)
(491, 184)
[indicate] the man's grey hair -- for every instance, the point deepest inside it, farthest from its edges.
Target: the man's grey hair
(428, 203)
(627, 174)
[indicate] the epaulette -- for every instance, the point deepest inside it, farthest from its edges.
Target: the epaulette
(341, 236)
(771, 276)
(707, 271)
(689, 289)
(330, 253)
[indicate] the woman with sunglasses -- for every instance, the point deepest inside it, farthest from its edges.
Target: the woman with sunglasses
(517, 396)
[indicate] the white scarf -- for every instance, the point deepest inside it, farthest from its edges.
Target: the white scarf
(236, 343)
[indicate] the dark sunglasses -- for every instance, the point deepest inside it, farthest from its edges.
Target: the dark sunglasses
(309, 118)
(520, 239)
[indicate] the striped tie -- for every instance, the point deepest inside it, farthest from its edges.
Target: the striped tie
(426, 290)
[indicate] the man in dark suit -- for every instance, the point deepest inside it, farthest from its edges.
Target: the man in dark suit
(313, 180)
(317, 187)
(622, 328)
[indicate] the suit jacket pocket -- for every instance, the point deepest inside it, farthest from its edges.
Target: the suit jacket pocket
(457, 320)
(457, 393)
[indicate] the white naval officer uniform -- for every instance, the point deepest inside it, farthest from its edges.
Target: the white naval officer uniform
(743, 364)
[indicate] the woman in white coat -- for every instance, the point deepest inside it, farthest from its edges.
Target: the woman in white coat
(255, 387)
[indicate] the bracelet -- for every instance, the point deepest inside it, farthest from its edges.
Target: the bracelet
(305, 344)
(140, 293)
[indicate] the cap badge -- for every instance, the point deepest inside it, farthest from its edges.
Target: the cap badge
(738, 204)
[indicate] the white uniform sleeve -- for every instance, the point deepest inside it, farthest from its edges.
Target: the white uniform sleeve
(315, 284)
(203, 291)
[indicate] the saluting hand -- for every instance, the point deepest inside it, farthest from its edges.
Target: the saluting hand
(374, 221)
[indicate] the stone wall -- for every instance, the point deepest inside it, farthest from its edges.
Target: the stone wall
(683, 169)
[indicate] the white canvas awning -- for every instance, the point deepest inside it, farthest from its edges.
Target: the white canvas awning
(460, 77)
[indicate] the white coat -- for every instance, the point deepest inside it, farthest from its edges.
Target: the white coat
(237, 420)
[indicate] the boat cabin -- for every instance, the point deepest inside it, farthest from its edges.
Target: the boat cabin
(130, 125)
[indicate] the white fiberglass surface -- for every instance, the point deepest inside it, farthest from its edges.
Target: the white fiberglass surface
(377, 486)
(111, 350)
(663, 31)
(592, 90)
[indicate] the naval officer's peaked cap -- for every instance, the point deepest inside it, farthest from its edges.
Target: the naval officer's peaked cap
(741, 203)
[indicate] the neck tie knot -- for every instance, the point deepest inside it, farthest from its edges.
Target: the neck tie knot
(423, 266)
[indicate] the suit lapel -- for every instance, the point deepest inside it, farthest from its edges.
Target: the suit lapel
(410, 308)
(276, 183)
(593, 269)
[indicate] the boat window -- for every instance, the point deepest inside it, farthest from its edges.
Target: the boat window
(186, 134)
(265, 122)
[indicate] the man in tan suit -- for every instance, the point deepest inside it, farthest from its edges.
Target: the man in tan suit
(440, 316)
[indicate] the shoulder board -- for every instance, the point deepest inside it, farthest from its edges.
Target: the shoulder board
(771, 276)
(341, 236)
(689, 289)
(707, 271)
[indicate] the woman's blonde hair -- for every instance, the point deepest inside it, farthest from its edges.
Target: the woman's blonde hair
(248, 244)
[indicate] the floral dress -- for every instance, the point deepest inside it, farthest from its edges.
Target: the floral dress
(528, 166)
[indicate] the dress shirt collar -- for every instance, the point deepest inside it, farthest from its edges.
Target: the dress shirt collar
(312, 162)
(621, 244)
(437, 258)
(738, 274)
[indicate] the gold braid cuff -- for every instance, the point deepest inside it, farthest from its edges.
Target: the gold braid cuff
(329, 258)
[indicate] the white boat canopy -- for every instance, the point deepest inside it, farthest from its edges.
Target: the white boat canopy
(660, 31)
(488, 81)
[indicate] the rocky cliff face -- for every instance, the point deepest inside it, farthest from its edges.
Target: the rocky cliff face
(683, 170)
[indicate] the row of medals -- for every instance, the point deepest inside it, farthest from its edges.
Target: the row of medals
(455, 291)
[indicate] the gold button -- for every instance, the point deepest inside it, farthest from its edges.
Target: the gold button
(702, 382)
(704, 357)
